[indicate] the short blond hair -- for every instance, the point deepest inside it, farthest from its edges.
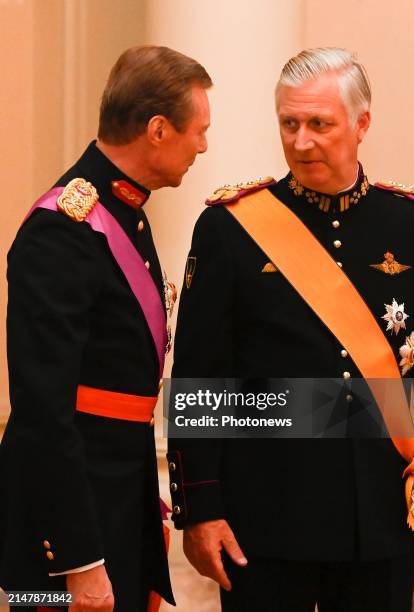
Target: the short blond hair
(352, 77)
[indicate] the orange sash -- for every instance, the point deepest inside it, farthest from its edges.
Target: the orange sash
(115, 405)
(300, 258)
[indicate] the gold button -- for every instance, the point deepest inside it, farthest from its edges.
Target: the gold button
(147, 265)
(115, 184)
(172, 467)
(339, 263)
(152, 421)
(173, 487)
(177, 510)
(46, 545)
(50, 555)
(336, 224)
(140, 226)
(349, 398)
(344, 353)
(337, 244)
(346, 375)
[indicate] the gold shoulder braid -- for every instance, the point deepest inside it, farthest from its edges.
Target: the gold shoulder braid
(231, 192)
(398, 188)
(77, 199)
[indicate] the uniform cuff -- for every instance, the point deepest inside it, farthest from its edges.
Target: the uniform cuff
(192, 502)
(78, 570)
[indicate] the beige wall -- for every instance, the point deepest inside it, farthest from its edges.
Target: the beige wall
(380, 32)
(57, 53)
(56, 56)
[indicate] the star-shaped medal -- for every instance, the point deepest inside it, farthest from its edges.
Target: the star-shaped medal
(407, 354)
(395, 316)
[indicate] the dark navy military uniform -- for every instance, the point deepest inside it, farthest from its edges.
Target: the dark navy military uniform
(80, 486)
(307, 501)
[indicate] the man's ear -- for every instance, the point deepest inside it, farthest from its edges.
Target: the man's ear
(363, 123)
(157, 129)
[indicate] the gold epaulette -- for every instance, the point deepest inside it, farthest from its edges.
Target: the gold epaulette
(398, 188)
(77, 199)
(231, 193)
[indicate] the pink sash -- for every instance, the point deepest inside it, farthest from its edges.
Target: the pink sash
(131, 263)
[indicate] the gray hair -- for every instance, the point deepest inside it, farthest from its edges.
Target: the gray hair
(352, 77)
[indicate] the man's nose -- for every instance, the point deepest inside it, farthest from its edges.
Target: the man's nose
(203, 145)
(303, 139)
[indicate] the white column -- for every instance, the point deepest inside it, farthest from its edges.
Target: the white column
(243, 45)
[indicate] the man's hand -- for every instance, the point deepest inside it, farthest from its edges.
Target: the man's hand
(92, 590)
(202, 546)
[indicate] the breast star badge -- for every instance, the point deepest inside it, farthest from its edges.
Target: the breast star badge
(389, 265)
(395, 316)
(407, 354)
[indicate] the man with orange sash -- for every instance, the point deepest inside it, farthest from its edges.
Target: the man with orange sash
(87, 335)
(308, 277)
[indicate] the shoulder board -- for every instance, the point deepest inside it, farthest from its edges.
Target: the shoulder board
(231, 193)
(397, 188)
(77, 199)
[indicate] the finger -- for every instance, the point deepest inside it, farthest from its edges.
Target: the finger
(218, 574)
(234, 551)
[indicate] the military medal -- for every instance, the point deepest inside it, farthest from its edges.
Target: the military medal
(395, 316)
(170, 294)
(169, 340)
(407, 354)
(389, 265)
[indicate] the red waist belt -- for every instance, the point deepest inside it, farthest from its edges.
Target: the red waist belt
(116, 405)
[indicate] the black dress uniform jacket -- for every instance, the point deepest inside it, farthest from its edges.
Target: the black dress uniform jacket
(310, 500)
(82, 486)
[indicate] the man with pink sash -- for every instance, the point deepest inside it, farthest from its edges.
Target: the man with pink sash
(87, 336)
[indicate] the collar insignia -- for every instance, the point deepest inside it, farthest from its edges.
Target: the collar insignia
(340, 202)
(231, 193)
(128, 194)
(389, 265)
(395, 316)
(77, 199)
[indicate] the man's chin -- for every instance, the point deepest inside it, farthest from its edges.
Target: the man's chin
(311, 177)
(173, 181)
